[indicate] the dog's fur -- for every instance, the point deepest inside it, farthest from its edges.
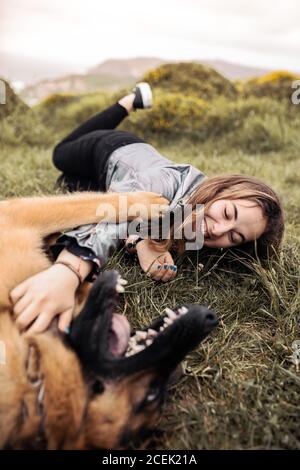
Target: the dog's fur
(53, 396)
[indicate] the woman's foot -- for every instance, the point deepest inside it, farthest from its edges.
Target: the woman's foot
(143, 96)
(140, 98)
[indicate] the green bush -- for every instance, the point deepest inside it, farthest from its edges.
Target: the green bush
(62, 112)
(276, 85)
(12, 102)
(173, 114)
(27, 128)
(254, 124)
(191, 79)
(251, 123)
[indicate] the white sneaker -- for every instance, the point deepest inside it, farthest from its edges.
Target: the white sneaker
(143, 96)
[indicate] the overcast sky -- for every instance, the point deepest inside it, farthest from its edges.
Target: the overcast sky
(82, 33)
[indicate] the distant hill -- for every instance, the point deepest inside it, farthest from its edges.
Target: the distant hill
(115, 73)
(135, 67)
(77, 83)
(234, 71)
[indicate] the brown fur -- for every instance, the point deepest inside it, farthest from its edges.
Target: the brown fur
(70, 417)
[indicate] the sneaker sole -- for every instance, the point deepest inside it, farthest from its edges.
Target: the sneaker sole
(146, 94)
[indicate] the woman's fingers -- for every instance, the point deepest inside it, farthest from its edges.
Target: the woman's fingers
(22, 304)
(64, 321)
(19, 291)
(168, 273)
(41, 323)
(164, 272)
(27, 316)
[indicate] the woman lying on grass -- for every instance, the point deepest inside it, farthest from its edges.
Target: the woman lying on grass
(239, 211)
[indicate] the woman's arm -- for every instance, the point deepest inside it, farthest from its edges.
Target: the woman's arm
(49, 293)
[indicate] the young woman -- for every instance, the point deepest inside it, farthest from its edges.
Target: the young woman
(239, 211)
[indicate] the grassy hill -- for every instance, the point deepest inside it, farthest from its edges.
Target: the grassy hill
(240, 389)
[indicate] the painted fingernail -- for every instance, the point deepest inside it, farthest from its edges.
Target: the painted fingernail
(165, 266)
(67, 330)
(175, 268)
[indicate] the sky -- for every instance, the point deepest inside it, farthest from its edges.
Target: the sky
(82, 33)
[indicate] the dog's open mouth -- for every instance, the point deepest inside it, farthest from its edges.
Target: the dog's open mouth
(144, 338)
(121, 343)
(104, 340)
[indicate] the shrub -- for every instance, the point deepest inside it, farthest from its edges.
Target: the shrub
(173, 114)
(27, 128)
(274, 85)
(254, 124)
(12, 102)
(62, 112)
(191, 79)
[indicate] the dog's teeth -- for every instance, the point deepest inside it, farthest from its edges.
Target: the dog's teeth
(149, 342)
(139, 348)
(171, 314)
(141, 334)
(168, 321)
(161, 328)
(152, 332)
(120, 289)
(122, 281)
(182, 310)
(129, 353)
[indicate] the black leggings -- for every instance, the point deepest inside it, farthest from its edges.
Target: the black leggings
(83, 155)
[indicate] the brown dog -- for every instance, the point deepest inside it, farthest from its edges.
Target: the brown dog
(78, 395)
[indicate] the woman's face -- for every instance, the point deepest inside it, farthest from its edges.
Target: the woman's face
(230, 222)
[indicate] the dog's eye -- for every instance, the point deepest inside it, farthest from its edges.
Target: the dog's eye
(152, 395)
(97, 387)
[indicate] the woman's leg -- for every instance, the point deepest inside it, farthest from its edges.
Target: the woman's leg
(83, 154)
(74, 154)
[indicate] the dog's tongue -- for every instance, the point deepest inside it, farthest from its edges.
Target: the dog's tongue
(119, 335)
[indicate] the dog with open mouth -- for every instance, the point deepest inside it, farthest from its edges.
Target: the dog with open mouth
(102, 386)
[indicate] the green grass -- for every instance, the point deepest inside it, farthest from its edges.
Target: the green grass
(240, 389)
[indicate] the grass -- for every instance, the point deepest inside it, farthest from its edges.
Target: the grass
(240, 389)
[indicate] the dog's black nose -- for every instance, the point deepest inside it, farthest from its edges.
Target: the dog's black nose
(211, 319)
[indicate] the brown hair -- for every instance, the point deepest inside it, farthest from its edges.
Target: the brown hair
(238, 187)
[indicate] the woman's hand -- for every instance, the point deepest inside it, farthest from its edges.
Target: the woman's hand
(159, 266)
(43, 296)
